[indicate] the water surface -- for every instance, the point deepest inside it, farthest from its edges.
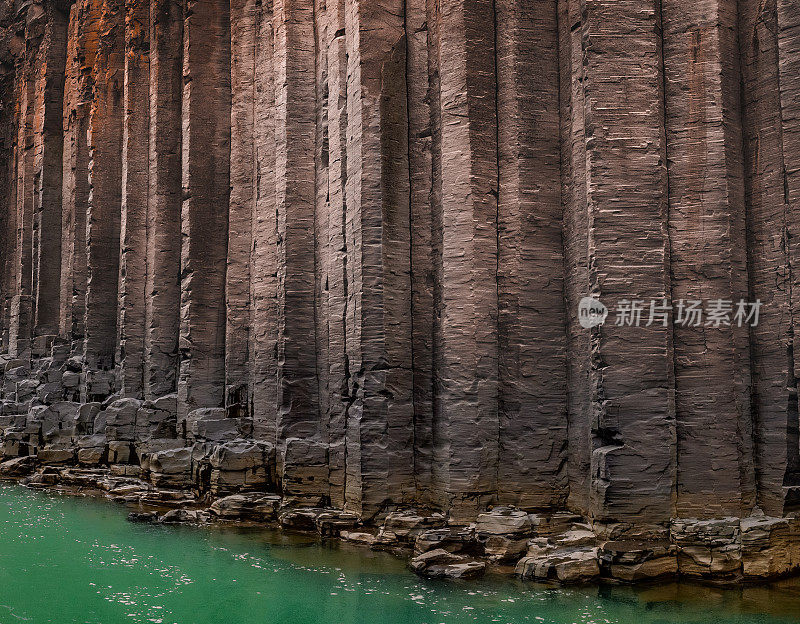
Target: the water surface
(77, 560)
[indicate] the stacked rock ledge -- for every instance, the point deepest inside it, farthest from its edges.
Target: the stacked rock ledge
(210, 471)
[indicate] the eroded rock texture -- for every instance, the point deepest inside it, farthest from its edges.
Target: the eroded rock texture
(335, 248)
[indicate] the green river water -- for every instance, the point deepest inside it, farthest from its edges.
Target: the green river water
(75, 560)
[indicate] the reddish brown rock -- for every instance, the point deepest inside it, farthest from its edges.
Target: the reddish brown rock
(297, 392)
(708, 260)
(379, 452)
(263, 257)
(532, 343)
(162, 288)
(48, 168)
(135, 195)
(105, 195)
(81, 50)
(630, 368)
(204, 213)
(335, 249)
(245, 16)
(466, 426)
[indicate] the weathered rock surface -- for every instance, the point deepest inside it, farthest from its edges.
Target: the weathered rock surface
(334, 252)
(255, 506)
(440, 563)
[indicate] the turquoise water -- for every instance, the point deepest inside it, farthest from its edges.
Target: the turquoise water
(74, 560)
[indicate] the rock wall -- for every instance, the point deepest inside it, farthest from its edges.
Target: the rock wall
(355, 233)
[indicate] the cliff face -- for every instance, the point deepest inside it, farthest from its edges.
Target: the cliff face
(357, 232)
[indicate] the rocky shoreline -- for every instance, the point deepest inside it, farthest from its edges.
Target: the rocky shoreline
(209, 468)
(559, 548)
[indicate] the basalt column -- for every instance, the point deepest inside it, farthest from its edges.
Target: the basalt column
(244, 31)
(163, 284)
(707, 231)
(263, 257)
(420, 162)
(133, 228)
(630, 370)
(380, 418)
(426, 432)
(302, 460)
(81, 49)
(21, 306)
(103, 216)
(48, 170)
(8, 134)
(771, 266)
(466, 427)
(788, 35)
(574, 236)
(204, 214)
(322, 256)
(338, 367)
(533, 408)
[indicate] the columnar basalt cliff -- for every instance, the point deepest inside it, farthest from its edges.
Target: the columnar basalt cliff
(321, 260)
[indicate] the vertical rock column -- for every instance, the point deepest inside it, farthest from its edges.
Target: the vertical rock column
(105, 189)
(788, 35)
(244, 30)
(574, 235)
(298, 400)
(163, 283)
(380, 419)
(707, 233)
(81, 50)
(21, 305)
(420, 162)
(322, 255)
(770, 265)
(263, 259)
(337, 296)
(204, 214)
(49, 170)
(428, 432)
(633, 428)
(8, 119)
(467, 428)
(533, 368)
(135, 191)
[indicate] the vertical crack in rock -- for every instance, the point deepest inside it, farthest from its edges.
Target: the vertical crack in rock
(574, 235)
(420, 139)
(321, 208)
